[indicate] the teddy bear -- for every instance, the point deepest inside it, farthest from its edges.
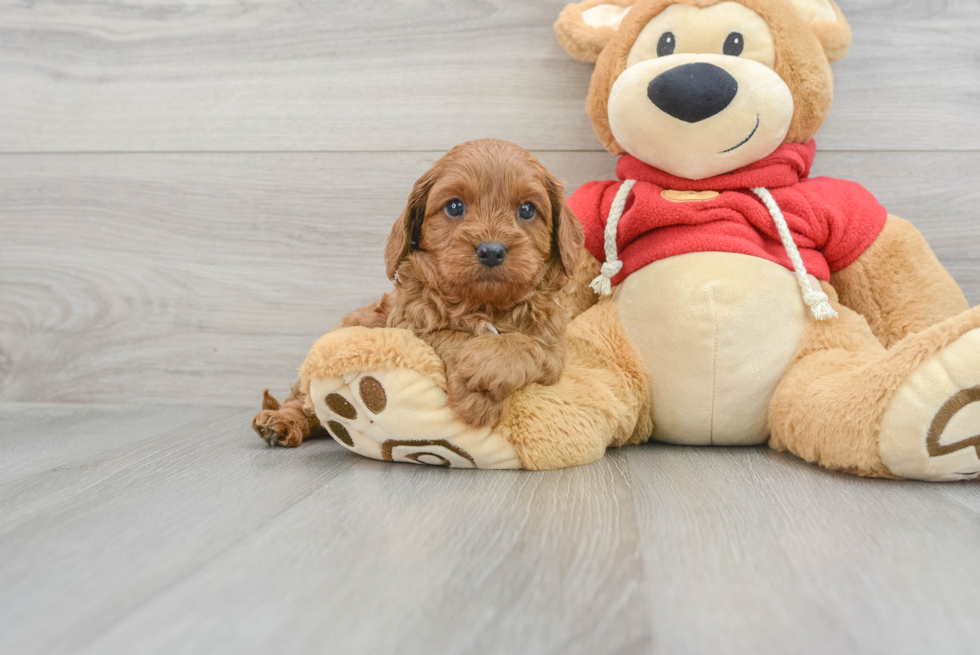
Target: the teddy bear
(727, 297)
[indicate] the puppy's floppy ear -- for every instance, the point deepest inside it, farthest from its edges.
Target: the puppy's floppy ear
(406, 235)
(585, 28)
(567, 237)
(826, 20)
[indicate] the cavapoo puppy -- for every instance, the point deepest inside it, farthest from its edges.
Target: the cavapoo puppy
(478, 258)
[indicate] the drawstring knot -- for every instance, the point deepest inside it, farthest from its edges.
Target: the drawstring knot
(815, 299)
(819, 304)
(602, 285)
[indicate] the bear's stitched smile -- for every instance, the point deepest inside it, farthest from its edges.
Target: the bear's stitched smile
(758, 122)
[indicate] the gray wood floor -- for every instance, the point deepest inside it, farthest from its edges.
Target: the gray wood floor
(173, 530)
(192, 192)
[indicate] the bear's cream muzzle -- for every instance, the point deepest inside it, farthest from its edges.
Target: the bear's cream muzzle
(700, 115)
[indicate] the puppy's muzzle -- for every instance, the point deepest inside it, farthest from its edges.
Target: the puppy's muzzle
(693, 92)
(491, 254)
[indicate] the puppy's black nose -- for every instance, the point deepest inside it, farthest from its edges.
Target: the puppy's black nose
(491, 254)
(693, 92)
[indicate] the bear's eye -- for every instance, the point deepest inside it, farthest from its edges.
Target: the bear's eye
(667, 44)
(455, 208)
(734, 44)
(527, 211)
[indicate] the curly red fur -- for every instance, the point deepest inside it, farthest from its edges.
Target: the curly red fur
(448, 298)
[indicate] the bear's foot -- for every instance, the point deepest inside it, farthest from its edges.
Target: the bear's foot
(381, 393)
(931, 427)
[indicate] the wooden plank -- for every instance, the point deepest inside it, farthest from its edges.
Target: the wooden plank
(749, 551)
(203, 540)
(206, 278)
(342, 76)
(39, 437)
(89, 541)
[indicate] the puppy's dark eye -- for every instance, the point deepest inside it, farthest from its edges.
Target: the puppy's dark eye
(455, 208)
(667, 45)
(734, 44)
(527, 211)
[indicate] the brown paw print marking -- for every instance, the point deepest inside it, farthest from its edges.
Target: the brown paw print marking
(340, 433)
(945, 415)
(375, 399)
(442, 460)
(340, 406)
(373, 395)
(391, 444)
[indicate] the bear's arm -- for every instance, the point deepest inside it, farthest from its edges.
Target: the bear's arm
(898, 284)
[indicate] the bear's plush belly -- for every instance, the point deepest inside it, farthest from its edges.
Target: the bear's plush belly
(717, 332)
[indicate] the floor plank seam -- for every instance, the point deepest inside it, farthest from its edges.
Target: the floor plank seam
(125, 449)
(644, 582)
(201, 566)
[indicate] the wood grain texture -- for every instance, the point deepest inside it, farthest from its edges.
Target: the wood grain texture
(279, 75)
(750, 551)
(87, 542)
(201, 539)
(206, 278)
(38, 437)
(194, 537)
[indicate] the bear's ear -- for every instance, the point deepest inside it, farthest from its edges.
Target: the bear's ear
(828, 23)
(585, 28)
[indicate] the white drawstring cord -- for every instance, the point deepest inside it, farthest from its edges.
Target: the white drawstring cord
(602, 285)
(816, 300)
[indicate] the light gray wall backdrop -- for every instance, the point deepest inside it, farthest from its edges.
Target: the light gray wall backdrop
(191, 194)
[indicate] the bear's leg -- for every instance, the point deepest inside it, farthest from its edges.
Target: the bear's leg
(899, 285)
(382, 394)
(849, 404)
(601, 400)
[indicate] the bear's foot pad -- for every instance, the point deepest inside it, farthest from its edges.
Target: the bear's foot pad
(931, 430)
(398, 414)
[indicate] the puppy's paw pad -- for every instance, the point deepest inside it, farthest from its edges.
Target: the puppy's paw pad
(275, 431)
(267, 434)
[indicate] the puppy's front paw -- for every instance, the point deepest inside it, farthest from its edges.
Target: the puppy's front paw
(484, 373)
(476, 408)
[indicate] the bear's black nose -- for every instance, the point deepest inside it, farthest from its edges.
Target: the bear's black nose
(491, 254)
(693, 92)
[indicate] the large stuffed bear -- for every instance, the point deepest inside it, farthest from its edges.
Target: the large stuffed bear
(730, 298)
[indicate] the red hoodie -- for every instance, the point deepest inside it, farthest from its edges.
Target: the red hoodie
(832, 221)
